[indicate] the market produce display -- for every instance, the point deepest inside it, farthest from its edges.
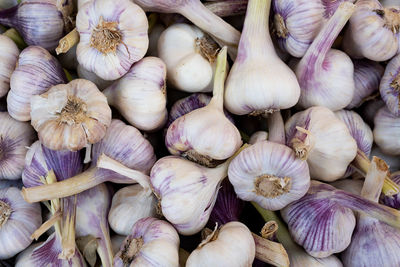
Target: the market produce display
(200, 133)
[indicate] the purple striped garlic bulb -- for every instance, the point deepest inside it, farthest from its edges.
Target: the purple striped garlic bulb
(387, 131)
(8, 59)
(390, 84)
(113, 36)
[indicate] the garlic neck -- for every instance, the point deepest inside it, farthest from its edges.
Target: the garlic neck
(271, 186)
(5, 213)
(73, 112)
(209, 236)
(202, 160)
(106, 36)
(391, 17)
(395, 84)
(302, 143)
(280, 26)
(131, 249)
(207, 47)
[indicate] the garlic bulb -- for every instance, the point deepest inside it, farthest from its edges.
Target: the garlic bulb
(386, 132)
(367, 76)
(273, 178)
(18, 220)
(326, 75)
(11, 183)
(113, 36)
(205, 135)
(140, 96)
(68, 60)
(8, 59)
(372, 32)
(190, 57)
(314, 135)
(8, 3)
(154, 36)
(186, 191)
(390, 84)
(88, 75)
(369, 110)
(349, 185)
(389, 3)
(231, 245)
(227, 8)
(15, 137)
(258, 136)
(392, 161)
(152, 242)
(70, 116)
(129, 205)
(37, 70)
(23, 258)
(253, 86)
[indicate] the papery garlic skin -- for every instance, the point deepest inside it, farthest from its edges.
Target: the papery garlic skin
(15, 137)
(24, 258)
(273, 178)
(129, 205)
(70, 116)
(18, 221)
(113, 36)
(88, 75)
(387, 132)
(190, 57)
(231, 245)
(152, 242)
(37, 70)
(372, 32)
(140, 95)
(389, 87)
(8, 59)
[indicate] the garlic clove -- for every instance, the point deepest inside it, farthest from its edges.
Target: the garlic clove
(386, 133)
(231, 245)
(389, 87)
(8, 59)
(113, 36)
(37, 70)
(70, 116)
(15, 137)
(140, 95)
(129, 205)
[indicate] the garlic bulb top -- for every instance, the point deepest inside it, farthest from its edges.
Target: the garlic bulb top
(140, 95)
(37, 70)
(15, 137)
(129, 205)
(190, 57)
(253, 86)
(373, 31)
(314, 135)
(273, 178)
(113, 36)
(231, 245)
(205, 135)
(18, 220)
(70, 116)
(152, 242)
(387, 131)
(390, 84)
(326, 75)
(8, 59)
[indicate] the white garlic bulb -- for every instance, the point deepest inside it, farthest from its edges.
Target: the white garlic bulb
(70, 116)
(231, 245)
(190, 57)
(113, 36)
(273, 177)
(314, 134)
(88, 75)
(8, 59)
(258, 137)
(15, 137)
(152, 242)
(387, 131)
(129, 205)
(18, 221)
(140, 95)
(391, 160)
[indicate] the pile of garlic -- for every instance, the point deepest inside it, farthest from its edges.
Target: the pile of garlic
(200, 133)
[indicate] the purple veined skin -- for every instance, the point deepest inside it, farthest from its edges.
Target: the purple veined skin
(387, 131)
(133, 156)
(389, 87)
(29, 17)
(8, 59)
(393, 201)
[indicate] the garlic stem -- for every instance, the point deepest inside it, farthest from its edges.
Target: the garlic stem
(68, 228)
(227, 8)
(14, 35)
(302, 143)
(219, 80)
(67, 42)
(202, 17)
(373, 183)
(47, 225)
(104, 248)
(270, 252)
(276, 128)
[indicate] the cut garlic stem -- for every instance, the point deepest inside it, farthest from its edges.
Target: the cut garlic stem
(67, 42)
(47, 225)
(377, 172)
(271, 252)
(276, 128)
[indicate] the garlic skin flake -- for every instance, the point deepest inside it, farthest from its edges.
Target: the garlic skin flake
(8, 59)
(113, 36)
(152, 242)
(15, 137)
(273, 178)
(190, 56)
(140, 95)
(387, 132)
(18, 221)
(231, 245)
(129, 205)
(70, 116)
